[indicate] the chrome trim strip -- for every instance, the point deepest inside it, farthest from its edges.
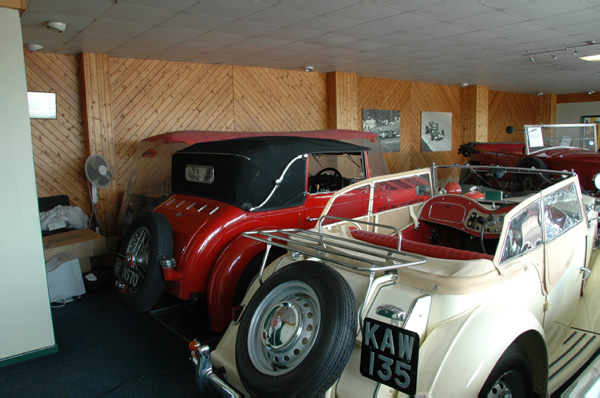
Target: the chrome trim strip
(571, 360)
(278, 181)
(569, 350)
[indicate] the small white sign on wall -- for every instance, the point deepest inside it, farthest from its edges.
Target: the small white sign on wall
(42, 105)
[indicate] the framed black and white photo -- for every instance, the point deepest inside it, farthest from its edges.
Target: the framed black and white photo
(384, 123)
(436, 131)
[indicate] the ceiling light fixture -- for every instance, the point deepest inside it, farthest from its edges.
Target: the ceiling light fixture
(309, 68)
(591, 92)
(58, 27)
(591, 58)
(553, 52)
(33, 47)
(464, 84)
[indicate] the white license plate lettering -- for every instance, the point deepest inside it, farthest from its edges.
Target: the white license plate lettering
(390, 355)
(403, 379)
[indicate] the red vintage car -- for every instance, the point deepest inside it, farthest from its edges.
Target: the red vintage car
(571, 147)
(149, 175)
(190, 245)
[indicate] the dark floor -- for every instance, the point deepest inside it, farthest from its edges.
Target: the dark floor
(106, 350)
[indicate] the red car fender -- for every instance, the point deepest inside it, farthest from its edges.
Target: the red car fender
(224, 278)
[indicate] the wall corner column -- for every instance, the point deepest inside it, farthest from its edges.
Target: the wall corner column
(98, 126)
(474, 109)
(342, 101)
(546, 109)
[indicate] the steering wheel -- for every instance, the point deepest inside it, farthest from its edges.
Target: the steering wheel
(330, 181)
(487, 221)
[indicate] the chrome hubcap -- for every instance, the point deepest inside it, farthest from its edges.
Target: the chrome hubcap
(510, 383)
(284, 328)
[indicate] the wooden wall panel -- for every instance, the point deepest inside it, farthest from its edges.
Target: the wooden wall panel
(98, 126)
(546, 109)
(410, 98)
(579, 97)
(474, 109)
(16, 4)
(436, 98)
(342, 99)
(59, 146)
(392, 95)
(151, 97)
(510, 109)
(279, 100)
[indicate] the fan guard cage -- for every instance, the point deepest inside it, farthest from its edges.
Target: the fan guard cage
(99, 171)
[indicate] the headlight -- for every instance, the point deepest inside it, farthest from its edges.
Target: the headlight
(596, 181)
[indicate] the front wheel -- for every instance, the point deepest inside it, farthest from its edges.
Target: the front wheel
(297, 333)
(511, 377)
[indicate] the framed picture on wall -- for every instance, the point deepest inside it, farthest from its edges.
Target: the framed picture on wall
(384, 123)
(591, 119)
(436, 131)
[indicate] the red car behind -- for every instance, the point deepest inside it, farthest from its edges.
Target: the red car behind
(190, 245)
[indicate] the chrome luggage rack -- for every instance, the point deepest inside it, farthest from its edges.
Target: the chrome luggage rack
(348, 253)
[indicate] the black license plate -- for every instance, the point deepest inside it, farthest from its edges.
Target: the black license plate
(126, 274)
(390, 355)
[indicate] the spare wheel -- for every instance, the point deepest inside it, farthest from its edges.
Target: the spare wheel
(528, 182)
(147, 241)
(297, 333)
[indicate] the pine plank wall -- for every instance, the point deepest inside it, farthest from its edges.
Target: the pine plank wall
(107, 105)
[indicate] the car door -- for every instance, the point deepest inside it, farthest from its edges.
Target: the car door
(523, 245)
(565, 251)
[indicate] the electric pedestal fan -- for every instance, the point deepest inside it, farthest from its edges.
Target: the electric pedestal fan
(100, 174)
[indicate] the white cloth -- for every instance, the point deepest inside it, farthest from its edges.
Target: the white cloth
(73, 216)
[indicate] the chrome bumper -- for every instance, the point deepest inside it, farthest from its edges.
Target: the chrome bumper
(205, 378)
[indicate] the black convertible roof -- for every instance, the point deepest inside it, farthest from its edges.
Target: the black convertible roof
(246, 169)
(288, 147)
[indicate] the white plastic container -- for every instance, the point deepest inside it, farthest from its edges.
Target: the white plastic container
(64, 278)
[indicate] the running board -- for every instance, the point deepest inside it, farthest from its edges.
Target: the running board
(569, 356)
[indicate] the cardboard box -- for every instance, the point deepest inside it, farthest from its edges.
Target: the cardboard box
(83, 243)
(64, 278)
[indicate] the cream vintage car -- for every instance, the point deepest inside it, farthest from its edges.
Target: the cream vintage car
(444, 281)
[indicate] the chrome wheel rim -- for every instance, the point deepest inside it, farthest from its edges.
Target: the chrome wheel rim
(284, 328)
(509, 384)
